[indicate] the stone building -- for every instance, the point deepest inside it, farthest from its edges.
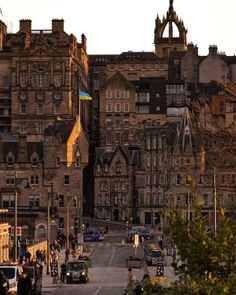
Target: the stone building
(45, 123)
(54, 170)
(4, 236)
(114, 183)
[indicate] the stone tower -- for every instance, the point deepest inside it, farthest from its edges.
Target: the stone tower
(165, 45)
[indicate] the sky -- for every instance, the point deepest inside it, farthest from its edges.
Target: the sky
(114, 26)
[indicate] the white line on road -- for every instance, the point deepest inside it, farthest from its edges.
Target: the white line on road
(98, 290)
(112, 256)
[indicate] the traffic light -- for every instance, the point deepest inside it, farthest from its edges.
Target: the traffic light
(160, 269)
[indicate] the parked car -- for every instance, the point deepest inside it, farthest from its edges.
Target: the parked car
(92, 235)
(153, 254)
(143, 232)
(76, 271)
(12, 272)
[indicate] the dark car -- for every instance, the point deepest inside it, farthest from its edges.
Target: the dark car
(76, 271)
(93, 235)
(144, 233)
(153, 255)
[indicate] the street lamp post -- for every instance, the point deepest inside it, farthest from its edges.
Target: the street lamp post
(49, 226)
(16, 213)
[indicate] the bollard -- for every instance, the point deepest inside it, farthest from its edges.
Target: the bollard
(122, 243)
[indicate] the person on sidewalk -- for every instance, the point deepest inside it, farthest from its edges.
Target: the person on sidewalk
(24, 285)
(63, 272)
(4, 283)
(130, 280)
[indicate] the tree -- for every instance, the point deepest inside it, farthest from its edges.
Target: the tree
(205, 262)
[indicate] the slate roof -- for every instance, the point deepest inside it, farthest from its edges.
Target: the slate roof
(61, 129)
(12, 144)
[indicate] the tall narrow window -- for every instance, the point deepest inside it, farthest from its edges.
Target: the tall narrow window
(66, 179)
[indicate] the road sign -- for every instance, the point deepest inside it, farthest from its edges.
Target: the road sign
(54, 269)
(160, 269)
(18, 231)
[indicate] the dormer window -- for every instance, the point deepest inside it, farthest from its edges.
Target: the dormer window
(118, 167)
(77, 158)
(34, 159)
(106, 167)
(10, 159)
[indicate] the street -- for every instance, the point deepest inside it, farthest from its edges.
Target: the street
(108, 274)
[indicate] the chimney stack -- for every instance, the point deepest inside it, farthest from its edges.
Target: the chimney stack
(25, 25)
(58, 25)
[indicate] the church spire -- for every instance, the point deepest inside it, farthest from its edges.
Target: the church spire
(171, 5)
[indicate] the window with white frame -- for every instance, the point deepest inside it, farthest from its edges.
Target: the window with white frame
(39, 127)
(109, 93)
(148, 179)
(23, 80)
(108, 107)
(23, 108)
(148, 161)
(126, 124)
(126, 107)
(154, 160)
(23, 127)
(117, 124)
(118, 167)
(8, 200)
(108, 138)
(117, 107)
(10, 159)
(117, 93)
(57, 108)
(99, 199)
(154, 142)
(148, 142)
(108, 124)
(34, 180)
(125, 136)
(117, 138)
(148, 199)
(40, 108)
(116, 185)
(57, 79)
(61, 201)
(10, 180)
(126, 94)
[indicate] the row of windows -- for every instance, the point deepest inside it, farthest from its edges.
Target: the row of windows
(142, 67)
(100, 168)
(33, 180)
(39, 79)
(117, 137)
(40, 108)
(118, 108)
(117, 93)
(117, 124)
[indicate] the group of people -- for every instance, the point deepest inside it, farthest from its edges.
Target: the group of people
(132, 283)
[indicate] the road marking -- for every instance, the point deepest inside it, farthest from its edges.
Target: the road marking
(98, 290)
(112, 256)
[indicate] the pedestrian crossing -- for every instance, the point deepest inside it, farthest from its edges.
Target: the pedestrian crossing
(99, 245)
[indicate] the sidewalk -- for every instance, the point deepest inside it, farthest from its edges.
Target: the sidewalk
(49, 283)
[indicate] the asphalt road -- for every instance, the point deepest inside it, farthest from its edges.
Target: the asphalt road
(108, 274)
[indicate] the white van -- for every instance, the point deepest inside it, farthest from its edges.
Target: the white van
(12, 272)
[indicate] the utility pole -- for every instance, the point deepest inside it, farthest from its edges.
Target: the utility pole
(214, 200)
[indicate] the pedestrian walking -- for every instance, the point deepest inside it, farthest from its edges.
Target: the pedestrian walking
(24, 285)
(63, 272)
(4, 283)
(130, 280)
